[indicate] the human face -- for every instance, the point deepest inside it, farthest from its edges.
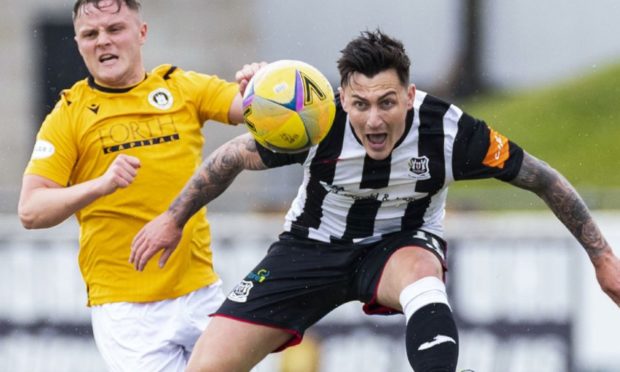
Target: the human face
(377, 108)
(110, 41)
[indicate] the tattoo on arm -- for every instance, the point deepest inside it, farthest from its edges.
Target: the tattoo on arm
(538, 177)
(214, 176)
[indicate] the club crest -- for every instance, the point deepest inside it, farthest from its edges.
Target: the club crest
(241, 291)
(418, 168)
(161, 98)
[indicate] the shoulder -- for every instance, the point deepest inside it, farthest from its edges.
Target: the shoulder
(70, 98)
(426, 101)
(189, 79)
(166, 71)
(172, 72)
(431, 108)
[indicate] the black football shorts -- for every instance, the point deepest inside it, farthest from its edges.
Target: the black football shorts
(301, 280)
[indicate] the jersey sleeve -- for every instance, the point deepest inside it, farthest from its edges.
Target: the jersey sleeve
(481, 152)
(55, 152)
(277, 159)
(213, 96)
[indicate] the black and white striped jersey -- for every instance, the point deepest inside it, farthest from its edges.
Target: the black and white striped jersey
(347, 196)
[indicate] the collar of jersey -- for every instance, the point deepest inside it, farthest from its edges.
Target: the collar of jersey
(94, 85)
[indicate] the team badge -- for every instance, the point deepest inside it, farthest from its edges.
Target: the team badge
(161, 98)
(241, 291)
(418, 168)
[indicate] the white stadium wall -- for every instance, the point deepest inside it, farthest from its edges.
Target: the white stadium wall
(524, 294)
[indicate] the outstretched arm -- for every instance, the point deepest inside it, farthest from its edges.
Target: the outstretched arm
(538, 177)
(214, 176)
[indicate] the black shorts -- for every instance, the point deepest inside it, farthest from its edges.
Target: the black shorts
(301, 280)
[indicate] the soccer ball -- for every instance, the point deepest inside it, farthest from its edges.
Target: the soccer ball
(288, 106)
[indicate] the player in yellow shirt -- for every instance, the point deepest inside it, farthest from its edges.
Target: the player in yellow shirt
(115, 151)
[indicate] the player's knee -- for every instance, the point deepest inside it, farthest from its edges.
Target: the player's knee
(416, 263)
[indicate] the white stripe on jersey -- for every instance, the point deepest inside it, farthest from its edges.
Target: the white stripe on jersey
(450, 127)
(392, 200)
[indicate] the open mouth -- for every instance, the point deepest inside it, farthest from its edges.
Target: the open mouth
(107, 57)
(376, 139)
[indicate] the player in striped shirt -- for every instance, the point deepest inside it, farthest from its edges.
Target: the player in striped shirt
(367, 223)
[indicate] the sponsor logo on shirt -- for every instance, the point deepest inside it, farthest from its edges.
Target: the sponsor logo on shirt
(259, 276)
(369, 195)
(120, 136)
(42, 149)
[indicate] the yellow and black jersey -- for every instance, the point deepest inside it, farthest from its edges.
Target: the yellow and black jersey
(158, 121)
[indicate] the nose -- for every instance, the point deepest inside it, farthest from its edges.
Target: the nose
(374, 118)
(103, 39)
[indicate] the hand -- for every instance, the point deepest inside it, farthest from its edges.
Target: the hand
(120, 174)
(608, 275)
(162, 233)
(243, 76)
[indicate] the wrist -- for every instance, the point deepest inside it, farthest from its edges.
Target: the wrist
(602, 257)
(177, 219)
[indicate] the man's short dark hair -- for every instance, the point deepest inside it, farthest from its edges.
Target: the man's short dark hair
(131, 4)
(371, 53)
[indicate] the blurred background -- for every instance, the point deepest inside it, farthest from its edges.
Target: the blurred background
(546, 74)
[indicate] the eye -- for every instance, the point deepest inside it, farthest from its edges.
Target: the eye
(89, 35)
(360, 105)
(388, 103)
(115, 28)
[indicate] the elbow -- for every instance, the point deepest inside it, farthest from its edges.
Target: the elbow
(29, 218)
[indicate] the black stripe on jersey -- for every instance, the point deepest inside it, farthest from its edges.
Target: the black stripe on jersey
(408, 125)
(169, 72)
(322, 169)
(361, 219)
(431, 143)
(376, 173)
(414, 214)
(470, 147)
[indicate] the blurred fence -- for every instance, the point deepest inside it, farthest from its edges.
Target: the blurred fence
(523, 293)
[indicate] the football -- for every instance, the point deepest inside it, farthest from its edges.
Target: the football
(288, 106)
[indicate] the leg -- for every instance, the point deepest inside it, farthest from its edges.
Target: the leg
(137, 336)
(411, 282)
(407, 265)
(234, 346)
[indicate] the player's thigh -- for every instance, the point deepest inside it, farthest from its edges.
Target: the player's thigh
(195, 310)
(405, 266)
(233, 345)
(129, 340)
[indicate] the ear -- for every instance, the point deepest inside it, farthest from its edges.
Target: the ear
(343, 101)
(143, 31)
(78, 45)
(410, 95)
